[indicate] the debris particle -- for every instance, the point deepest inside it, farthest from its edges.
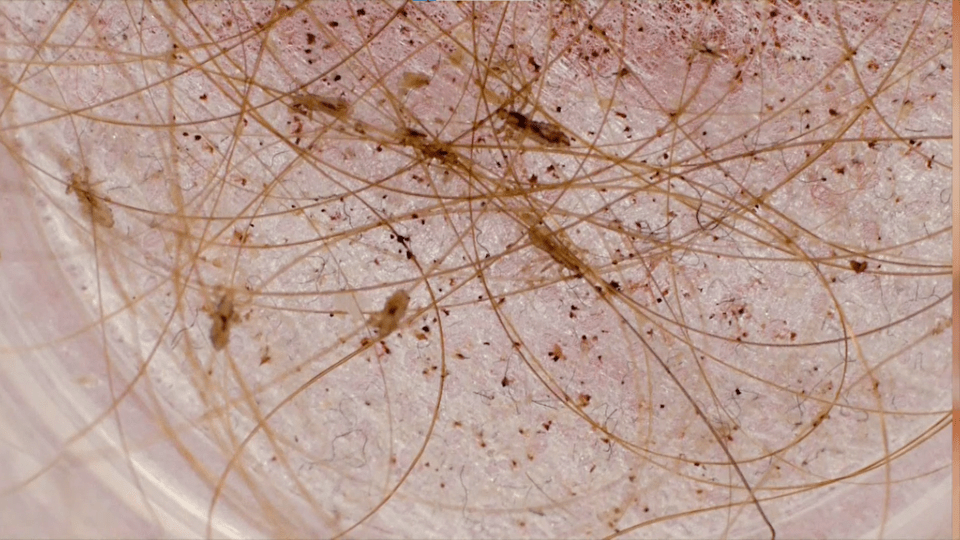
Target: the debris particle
(858, 266)
(265, 355)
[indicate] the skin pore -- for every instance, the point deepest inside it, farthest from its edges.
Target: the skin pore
(448, 269)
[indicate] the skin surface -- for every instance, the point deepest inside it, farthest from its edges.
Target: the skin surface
(474, 270)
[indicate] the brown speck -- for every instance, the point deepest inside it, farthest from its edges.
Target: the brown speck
(533, 63)
(241, 236)
(858, 266)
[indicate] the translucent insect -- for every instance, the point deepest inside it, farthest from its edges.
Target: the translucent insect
(307, 103)
(564, 252)
(93, 204)
(439, 151)
(223, 316)
(544, 132)
(393, 311)
(554, 244)
(412, 80)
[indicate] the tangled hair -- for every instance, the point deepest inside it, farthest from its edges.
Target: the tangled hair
(530, 269)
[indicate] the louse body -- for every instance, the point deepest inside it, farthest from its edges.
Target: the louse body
(92, 204)
(393, 311)
(543, 132)
(223, 316)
